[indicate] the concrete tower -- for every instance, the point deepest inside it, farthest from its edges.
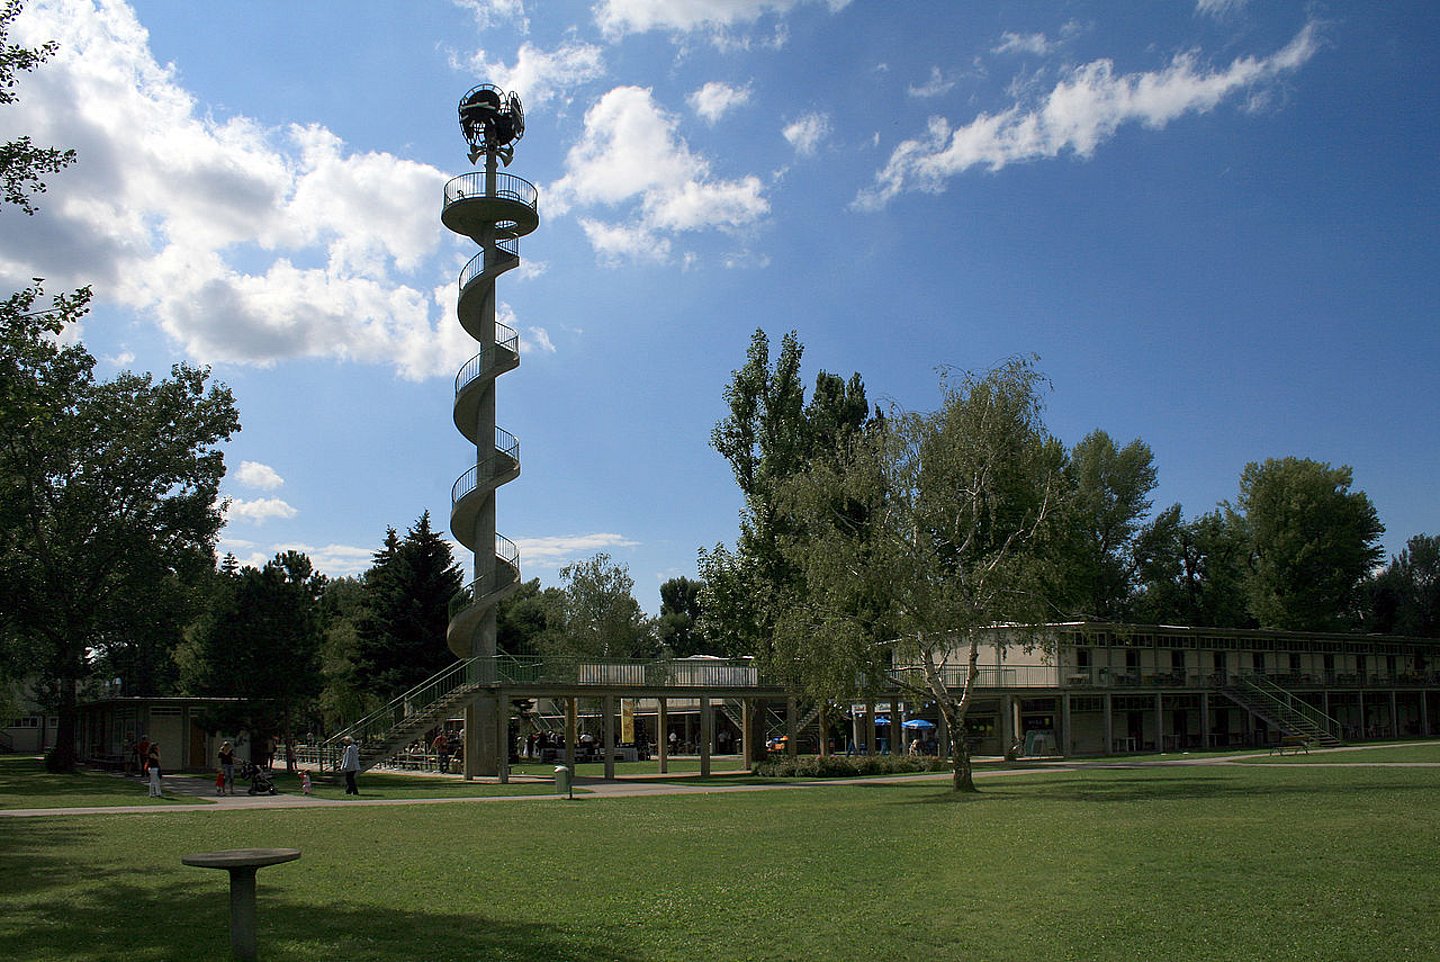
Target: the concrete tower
(494, 210)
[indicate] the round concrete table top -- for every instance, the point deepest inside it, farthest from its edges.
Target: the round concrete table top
(242, 858)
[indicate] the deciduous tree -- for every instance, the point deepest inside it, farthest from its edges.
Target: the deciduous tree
(1312, 543)
(956, 535)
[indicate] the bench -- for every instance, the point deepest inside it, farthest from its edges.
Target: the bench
(1295, 743)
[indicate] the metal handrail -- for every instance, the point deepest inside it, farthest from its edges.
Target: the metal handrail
(507, 556)
(1301, 707)
(475, 266)
(507, 187)
(505, 339)
(626, 672)
(506, 454)
(470, 671)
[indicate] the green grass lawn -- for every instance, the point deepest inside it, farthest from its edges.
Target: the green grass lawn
(1217, 863)
(677, 766)
(24, 783)
(1392, 753)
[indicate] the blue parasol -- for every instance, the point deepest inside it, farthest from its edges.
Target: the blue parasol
(918, 723)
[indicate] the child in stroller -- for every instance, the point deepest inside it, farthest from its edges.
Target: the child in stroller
(259, 779)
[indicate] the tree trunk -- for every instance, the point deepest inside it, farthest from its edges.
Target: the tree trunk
(63, 758)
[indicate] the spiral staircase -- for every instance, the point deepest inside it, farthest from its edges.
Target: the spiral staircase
(495, 210)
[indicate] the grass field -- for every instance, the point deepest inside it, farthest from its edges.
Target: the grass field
(1206, 863)
(25, 784)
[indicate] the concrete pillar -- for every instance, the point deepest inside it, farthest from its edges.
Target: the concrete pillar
(707, 734)
(871, 734)
(1109, 725)
(792, 726)
(609, 747)
(572, 729)
(662, 736)
(1067, 737)
(1006, 720)
(502, 743)
(1159, 723)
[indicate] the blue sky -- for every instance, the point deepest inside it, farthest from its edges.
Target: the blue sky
(1214, 222)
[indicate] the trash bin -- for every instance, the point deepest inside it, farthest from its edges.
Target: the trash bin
(563, 783)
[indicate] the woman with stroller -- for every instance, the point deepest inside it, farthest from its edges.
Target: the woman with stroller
(227, 765)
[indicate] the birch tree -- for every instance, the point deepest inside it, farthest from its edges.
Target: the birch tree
(918, 537)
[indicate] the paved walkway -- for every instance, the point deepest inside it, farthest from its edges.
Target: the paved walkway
(634, 786)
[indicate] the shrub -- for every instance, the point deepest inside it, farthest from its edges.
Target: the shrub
(847, 766)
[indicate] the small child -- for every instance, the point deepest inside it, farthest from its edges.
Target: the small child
(220, 782)
(305, 782)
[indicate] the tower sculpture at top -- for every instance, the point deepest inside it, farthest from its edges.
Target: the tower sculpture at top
(495, 210)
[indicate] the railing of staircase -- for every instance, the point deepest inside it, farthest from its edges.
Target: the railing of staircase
(1298, 705)
(416, 701)
(476, 264)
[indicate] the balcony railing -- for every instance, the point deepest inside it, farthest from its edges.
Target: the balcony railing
(631, 673)
(507, 187)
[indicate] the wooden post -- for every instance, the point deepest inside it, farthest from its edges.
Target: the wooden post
(662, 737)
(707, 734)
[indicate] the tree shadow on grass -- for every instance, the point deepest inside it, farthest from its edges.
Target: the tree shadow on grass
(56, 910)
(1148, 787)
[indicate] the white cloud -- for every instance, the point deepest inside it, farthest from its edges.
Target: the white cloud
(536, 340)
(937, 84)
(631, 157)
(716, 99)
(259, 510)
(121, 360)
(1079, 113)
(253, 474)
(1033, 43)
(1219, 8)
(617, 18)
(243, 243)
(489, 13)
(542, 75)
(553, 553)
(806, 132)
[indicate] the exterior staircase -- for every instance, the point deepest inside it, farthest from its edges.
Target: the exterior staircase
(1283, 711)
(389, 729)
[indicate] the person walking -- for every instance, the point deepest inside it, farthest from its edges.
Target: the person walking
(441, 745)
(350, 764)
(227, 765)
(152, 759)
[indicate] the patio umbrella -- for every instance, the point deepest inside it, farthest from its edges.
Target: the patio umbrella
(918, 723)
(881, 721)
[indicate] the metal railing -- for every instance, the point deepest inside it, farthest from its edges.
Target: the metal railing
(1220, 678)
(505, 457)
(476, 265)
(507, 571)
(1274, 693)
(506, 340)
(416, 702)
(988, 676)
(627, 672)
(507, 187)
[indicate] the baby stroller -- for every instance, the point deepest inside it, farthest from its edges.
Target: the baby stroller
(259, 779)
